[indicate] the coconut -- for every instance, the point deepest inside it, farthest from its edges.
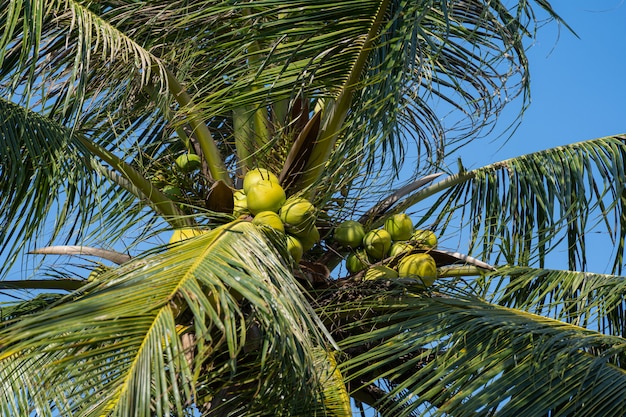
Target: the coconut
(377, 243)
(265, 195)
(299, 215)
(269, 218)
(188, 162)
(310, 238)
(357, 261)
(349, 234)
(294, 247)
(172, 192)
(380, 272)
(419, 265)
(398, 248)
(185, 233)
(424, 239)
(399, 226)
(255, 175)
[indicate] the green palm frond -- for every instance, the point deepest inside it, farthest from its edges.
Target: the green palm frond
(51, 171)
(139, 315)
(13, 310)
(583, 298)
(79, 39)
(431, 354)
(269, 54)
(521, 208)
(313, 53)
(40, 161)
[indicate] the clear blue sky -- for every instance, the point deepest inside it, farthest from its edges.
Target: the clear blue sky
(578, 85)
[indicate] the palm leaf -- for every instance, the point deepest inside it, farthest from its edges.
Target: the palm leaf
(79, 39)
(121, 335)
(49, 171)
(521, 208)
(433, 354)
(306, 54)
(39, 161)
(583, 298)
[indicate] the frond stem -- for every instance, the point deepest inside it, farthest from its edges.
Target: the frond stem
(141, 187)
(330, 132)
(200, 130)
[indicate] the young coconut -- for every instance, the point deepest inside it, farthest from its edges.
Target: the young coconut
(380, 272)
(188, 162)
(377, 243)
(424, 239)
(349, 234)
(269, 218)
(172, 192)
(310, 238)
(265, 195)
(357, 261)
(299, 215)
(399, 226)
(398, 248)
(185, 233)
(253, 176)
(419, 265)
(294, 247)
(240, 203)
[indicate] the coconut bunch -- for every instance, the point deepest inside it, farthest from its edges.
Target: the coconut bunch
(386, 253)
(178, 181)
(263, 198)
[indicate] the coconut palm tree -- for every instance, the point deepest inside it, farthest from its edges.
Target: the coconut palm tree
(125, 123)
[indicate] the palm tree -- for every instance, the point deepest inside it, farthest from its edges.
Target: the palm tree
(341, 100)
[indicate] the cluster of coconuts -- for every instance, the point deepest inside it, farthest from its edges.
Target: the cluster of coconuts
(168, 181)
(263, 197)
(396, 239)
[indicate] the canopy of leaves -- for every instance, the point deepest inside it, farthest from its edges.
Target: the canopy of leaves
(341, 100)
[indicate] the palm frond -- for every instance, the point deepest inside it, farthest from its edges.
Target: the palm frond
(310, 50)
(49, 171)
(40, 162)
(584, 298)
(462, 356)
(78, 39)
(137, 316)
(521, 208)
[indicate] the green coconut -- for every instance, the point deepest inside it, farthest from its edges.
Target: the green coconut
(265, 195)
(377, 243)
(188, 162)
(399, 226)
(255, 175)
(294, 247)
(424, 239)
(357, 261)
(349, 234)
(398, 248)
(419, 265)
(172, 192)
(185, 233)
(299, 215)
(270, 219)
(240, 201)
(380, 272)
(310, 238)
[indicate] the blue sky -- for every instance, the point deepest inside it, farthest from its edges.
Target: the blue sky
(578, 85)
